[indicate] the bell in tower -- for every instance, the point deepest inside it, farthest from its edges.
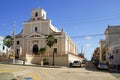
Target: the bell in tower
(38, 14)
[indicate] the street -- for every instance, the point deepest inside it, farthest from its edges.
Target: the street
(20, 72)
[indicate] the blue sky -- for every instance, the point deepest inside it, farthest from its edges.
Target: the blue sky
(77, 17)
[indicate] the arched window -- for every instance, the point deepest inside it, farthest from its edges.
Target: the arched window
(36, 14)
(18, 42)
(35, 28)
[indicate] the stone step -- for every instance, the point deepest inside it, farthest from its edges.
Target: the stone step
(19, 61)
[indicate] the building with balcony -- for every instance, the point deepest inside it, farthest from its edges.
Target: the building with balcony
(112, 42)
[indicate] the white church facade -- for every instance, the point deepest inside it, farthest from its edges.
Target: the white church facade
(33, 37)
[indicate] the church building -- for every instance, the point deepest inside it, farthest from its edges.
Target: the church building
(33, 37)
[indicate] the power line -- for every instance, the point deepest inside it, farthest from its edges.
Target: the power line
(87, 35)
(94, 35)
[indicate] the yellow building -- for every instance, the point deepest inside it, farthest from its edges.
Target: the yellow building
(32, 38)
(103, 51)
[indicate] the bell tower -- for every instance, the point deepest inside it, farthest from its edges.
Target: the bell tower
(38, 14)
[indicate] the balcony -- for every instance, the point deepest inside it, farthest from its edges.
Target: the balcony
(115, 44)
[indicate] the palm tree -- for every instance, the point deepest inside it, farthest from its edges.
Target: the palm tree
(8, 41)
(50, 42)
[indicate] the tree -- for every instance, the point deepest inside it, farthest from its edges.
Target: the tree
(42, 50)
(8, 41)
(50, 42)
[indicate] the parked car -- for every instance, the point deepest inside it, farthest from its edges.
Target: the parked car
(102, 66)
(70, 64)
(76, 64)
(84, 61)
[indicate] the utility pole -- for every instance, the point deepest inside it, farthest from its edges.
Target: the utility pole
(81, 49)
(14, 41)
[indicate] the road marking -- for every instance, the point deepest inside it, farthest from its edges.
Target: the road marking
(34, 77)
(20, 73)
(26, 73)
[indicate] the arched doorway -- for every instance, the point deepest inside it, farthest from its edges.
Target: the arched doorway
(35, 49)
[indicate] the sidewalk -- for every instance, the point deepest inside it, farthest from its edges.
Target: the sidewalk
(33, 65)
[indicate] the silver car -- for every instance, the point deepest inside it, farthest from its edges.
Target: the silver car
(76, 64)
(102, 66)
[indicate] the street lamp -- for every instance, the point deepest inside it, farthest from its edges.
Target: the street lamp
(54, 51)
(14, 42)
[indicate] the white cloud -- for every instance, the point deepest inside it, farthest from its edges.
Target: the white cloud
(88, 37)
(87, 45)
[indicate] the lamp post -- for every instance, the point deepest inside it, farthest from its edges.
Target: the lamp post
(54, 51)
(53, 58)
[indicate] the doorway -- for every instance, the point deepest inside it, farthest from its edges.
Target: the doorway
(35, 49)
(17, 54)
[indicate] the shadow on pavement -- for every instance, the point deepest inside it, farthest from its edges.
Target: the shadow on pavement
(90, 66)
(34, 65)
(14, 79)
(117, 75)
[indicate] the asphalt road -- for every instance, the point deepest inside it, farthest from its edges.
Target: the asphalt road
(56, 73)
